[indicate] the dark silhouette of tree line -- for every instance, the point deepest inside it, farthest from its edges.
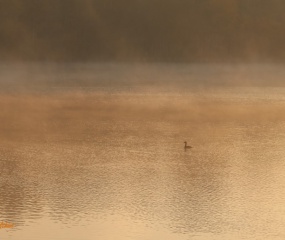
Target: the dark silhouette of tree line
(142, 30)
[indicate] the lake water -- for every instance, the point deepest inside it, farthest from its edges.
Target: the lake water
(95, 151)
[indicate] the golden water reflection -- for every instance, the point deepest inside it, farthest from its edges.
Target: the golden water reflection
(96, 152)
(132, 179)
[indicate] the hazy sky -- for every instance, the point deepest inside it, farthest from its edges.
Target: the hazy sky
(142, 30)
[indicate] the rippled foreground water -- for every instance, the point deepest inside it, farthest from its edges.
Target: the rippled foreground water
(89, 153)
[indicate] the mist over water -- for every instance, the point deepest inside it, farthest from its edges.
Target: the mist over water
(39, 99)
(96, 151)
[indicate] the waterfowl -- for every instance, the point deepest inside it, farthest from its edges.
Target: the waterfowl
(186, 147)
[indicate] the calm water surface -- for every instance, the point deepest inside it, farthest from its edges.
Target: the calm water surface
(102, 163)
